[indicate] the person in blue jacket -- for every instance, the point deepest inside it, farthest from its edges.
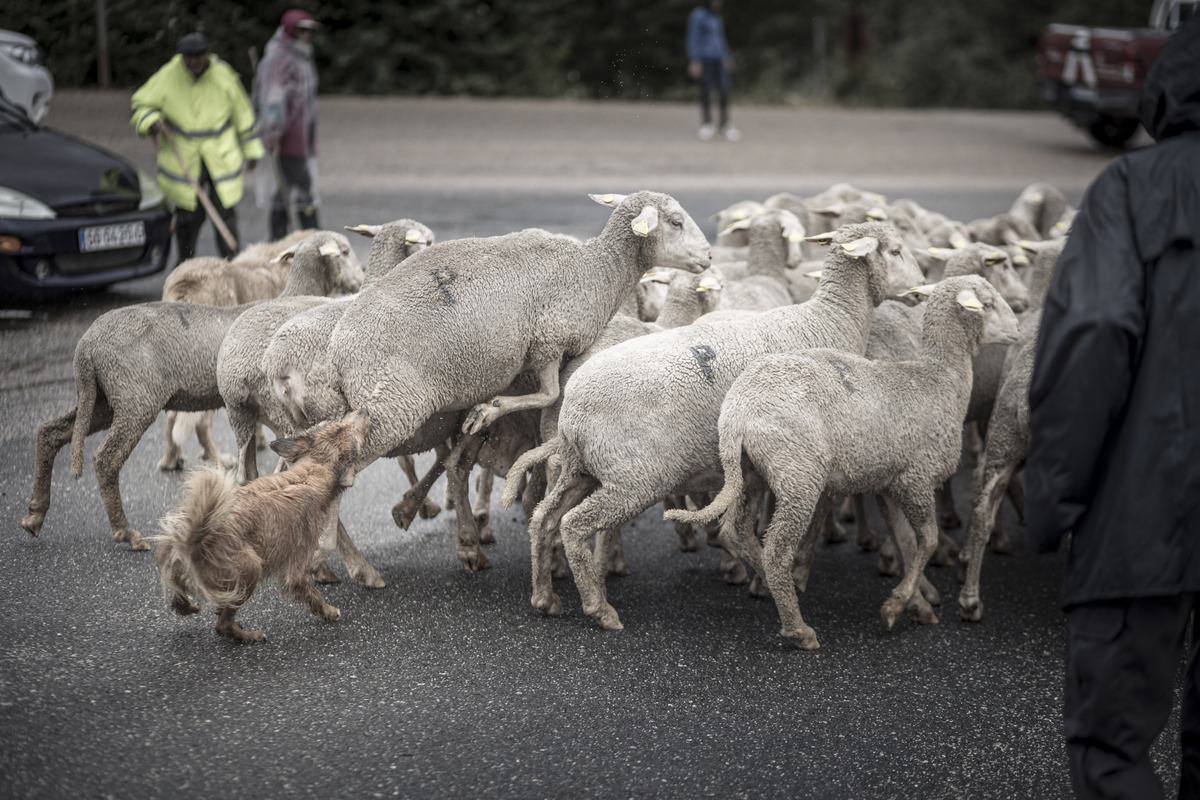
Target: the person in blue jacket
(709, 63)
(1114, 453)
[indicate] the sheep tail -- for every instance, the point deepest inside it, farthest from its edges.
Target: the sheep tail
(527, 460)
(196, 554)
(85, 406)
(731, 462)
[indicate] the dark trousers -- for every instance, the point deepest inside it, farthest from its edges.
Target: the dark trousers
(188, 223)
(714, 76)
(1122, 658)
(297, 182)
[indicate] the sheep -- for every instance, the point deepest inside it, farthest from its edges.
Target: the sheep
(638, 421)
(822, 422)
(137, 360)
(477, 312)
(761, 282)
(256, 273)
(1043, 206)
(1004, 454)
(1002, 229)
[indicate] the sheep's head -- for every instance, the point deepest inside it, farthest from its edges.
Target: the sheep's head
(775, 225)
(673, 240)
(338, 258)
(729, 233)
(393, 242)
(891, 267)
(993, 264)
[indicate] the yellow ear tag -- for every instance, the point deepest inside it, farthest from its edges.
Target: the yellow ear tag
(642, 227)
(972, 304)
(708, 285)
(993, 260)
(936, 252)
(959, 243)
(607, 199)
(329, 249)
(740, 215)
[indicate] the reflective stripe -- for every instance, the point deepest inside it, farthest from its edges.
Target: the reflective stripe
(172, 176)
(142, 118)
(228, 177)
(200, 134)
(250, 134)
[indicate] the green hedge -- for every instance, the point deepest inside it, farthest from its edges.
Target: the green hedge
(916, 52)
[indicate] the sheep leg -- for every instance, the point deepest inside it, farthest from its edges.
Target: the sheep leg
(406, 510)
(995, 478)
(483, 503)
(211, 453)
(535, 490)
(846, 511)
(793, 520)
(458, 474)
(52, 436)
(173, 456)
(946, 513)
(563, 497)
(864, 536)
(429, 508)
(609, 556)
(603, 509)
(889, 561)
(485, 414)
(356, 563)
(123, 435)
(806, 551)
(244, 420)
(683, 530)
(832, 530)
(914, 525)
(1000, 541)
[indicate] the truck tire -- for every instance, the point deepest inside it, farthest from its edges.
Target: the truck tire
(1112, 131)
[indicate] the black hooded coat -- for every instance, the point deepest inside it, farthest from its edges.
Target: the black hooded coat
(1114, 454)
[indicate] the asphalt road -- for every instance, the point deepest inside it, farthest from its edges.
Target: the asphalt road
(446, 684)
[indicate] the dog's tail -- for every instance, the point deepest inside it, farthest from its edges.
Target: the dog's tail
(196, 554)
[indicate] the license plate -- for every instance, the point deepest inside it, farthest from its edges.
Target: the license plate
(110, 237)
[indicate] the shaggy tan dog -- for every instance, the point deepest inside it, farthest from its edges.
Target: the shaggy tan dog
(225, 539)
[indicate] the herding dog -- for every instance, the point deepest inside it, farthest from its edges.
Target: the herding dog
(225, 539)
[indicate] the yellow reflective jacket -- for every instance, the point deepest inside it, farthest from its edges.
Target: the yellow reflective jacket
(209, 117)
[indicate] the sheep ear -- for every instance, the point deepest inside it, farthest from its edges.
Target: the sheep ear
(655, 276)
(968, 299)
(958, 241)
(794, 235)
(286, 255)
(861, 247)
(645, 222)
(994, 257)
(414, 236)
(815, 275)
(346, 479)
(820, 238)
(878, 214)
(366, 230)
(938, 252)
(1020, 259)
(708, 284)
(291, 448)
(329, 249)
(610, 200)
(741, 224)
(922, 291)
(830, 211)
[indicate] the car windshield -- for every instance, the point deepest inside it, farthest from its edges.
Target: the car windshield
(13, 119)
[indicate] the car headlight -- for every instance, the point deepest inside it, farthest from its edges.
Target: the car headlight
(16, 205)
(151, 194)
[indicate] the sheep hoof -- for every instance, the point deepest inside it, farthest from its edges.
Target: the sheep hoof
(618, 566)
(473, 560)
(404, 512)
(950, 519)
(891, 611)
(835, 533)
(183, 605)
(368, 577)
(136, 542)
(846, 511)
(549, 605)
(922, 612)
(429, 509)
(1002, 544)
(929, 592)
(169, 464)
(484, 523)
(866, 539)
(32, 522)
(559, 568)
(800, 577)
(479, 418)
(758, 587)
(888, 565)
(970, 609)
(736, 574)
(323, 573)
(606, 615)
(803, 637)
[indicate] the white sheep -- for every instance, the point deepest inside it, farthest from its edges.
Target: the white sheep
(813, 424)
(638, 421)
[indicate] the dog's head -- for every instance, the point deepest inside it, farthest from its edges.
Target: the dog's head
(334, 444)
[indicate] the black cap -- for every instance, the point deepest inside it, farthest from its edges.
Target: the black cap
(194, 44)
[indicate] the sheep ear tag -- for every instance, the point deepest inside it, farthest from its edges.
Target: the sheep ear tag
(861, 247)
(610, 200)
(994, 258)
(645, 222)
(795, 235)
(967, 299)
(413, 236)
(329, 249)
(708, 284)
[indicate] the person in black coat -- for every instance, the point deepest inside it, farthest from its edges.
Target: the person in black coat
(1114, 456)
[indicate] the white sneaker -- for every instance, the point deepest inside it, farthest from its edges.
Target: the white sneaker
(706, 131)
(731, 133)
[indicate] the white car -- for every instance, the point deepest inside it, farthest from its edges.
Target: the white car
(23, 80)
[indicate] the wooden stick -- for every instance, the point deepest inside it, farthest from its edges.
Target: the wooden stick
(213, 214)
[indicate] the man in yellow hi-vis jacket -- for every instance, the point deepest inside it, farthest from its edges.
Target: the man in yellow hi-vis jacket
(199, 100)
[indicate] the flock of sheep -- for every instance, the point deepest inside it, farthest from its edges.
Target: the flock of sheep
(824, 347)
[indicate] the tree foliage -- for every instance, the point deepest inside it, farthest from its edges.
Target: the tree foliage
(878, 52)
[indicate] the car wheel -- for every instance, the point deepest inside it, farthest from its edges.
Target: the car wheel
(1113, 131)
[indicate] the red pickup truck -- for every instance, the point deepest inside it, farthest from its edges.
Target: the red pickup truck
(1094, 75)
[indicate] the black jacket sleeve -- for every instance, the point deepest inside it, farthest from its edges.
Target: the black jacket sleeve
(1091, 332)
